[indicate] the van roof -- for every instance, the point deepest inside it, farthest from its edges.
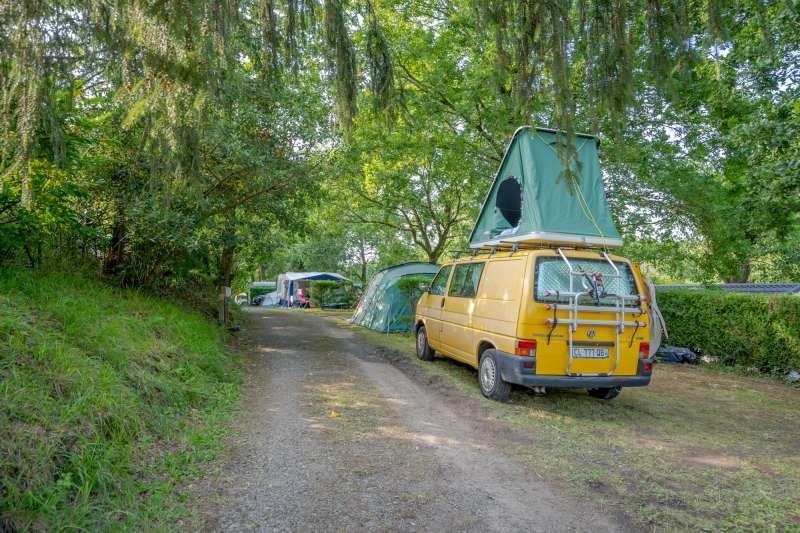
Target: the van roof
(501, 253)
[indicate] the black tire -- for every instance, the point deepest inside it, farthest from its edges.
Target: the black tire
(424, 350)
(605, 393)
(489, 379)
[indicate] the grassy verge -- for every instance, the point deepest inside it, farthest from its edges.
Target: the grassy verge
(698, 450)
(109, 399)
(333, 313)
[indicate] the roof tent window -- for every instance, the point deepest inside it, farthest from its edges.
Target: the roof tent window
(509, 200)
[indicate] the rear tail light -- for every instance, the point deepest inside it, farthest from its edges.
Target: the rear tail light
(526, 348)
(648, 367)
(644, 350)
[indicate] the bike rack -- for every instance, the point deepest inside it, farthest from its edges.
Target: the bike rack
(574, 308)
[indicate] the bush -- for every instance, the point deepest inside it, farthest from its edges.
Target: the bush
(411, 288)
(327, 293)
(749, 330)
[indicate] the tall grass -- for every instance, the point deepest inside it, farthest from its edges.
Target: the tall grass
(108, 398)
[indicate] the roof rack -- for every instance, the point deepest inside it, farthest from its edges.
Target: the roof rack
(503, 246)
(512, 247)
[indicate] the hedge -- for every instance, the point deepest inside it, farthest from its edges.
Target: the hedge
(749, 330)
(327, 293)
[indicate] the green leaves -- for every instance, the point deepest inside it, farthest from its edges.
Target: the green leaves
(744, 330)
(189, 127)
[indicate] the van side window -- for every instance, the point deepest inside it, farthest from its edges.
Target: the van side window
(466, 278)
(440, 281)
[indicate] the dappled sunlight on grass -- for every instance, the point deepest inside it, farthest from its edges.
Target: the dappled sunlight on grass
(699, 448)
(429, 439)
(358, 408)
(267, 349)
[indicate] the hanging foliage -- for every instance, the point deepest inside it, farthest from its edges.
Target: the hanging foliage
(380, 66)
(179, 91)
(342, 61)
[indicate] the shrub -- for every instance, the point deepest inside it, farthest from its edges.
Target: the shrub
(329, 293)
(750, 330)
(411, 289)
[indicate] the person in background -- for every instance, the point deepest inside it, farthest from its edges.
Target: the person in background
(303, 302)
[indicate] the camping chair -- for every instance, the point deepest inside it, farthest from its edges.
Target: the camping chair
(302, 301)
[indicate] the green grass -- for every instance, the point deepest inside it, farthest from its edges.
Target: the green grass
(109, 400)
(699, 449)
(332, 313)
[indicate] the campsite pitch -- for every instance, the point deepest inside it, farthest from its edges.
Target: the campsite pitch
(343, 429)
(698, 450)
(332, 436)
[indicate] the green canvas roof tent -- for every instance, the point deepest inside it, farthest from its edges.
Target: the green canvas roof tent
(530, 200)
(383, 306)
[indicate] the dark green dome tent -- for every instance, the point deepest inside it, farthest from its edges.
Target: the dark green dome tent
(384, 307)
(532, 200)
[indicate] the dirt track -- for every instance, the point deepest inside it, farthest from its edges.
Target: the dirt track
(407, 453)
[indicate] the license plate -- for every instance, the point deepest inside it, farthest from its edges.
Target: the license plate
(590, 353)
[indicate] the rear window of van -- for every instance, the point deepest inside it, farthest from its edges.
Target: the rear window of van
(552, 274)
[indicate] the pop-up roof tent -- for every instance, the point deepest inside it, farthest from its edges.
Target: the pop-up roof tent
(289, 282)
(383, 306)
(531, 199)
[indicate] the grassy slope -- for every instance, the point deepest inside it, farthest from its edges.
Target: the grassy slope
(697, 450)
(108, 398)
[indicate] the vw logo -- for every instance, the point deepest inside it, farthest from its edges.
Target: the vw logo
(591, 333)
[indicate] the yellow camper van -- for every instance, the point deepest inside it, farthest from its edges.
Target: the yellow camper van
(540, 301)
(540, 317)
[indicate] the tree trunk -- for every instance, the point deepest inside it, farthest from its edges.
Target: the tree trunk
(363, 256)
(26, 193)
(744, 274)
(434, 254)
(225, 271)
(116, 248)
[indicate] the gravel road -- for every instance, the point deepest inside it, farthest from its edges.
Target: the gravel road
(408, 453)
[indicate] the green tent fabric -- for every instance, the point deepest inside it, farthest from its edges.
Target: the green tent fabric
(531, 201)
(383, 306)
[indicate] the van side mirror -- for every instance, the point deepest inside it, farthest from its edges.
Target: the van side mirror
(424, 287)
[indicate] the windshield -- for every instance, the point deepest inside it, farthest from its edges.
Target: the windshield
(552, 274)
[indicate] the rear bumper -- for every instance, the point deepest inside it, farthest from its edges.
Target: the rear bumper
(513, 371)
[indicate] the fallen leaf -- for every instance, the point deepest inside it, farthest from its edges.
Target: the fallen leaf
(335, 414)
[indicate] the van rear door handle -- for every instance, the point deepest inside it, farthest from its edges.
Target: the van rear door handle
(442, 303)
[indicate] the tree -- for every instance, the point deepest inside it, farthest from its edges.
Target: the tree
(402, 180)
(160, 137)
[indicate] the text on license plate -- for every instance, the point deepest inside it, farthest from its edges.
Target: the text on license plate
(590, 353)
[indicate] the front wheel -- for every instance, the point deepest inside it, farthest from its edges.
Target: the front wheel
(492, 384)
(605, 393)
(424, 351)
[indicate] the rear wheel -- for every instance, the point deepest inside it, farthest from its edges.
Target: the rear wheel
(424, 351)
(492, 384)
(605, 393)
